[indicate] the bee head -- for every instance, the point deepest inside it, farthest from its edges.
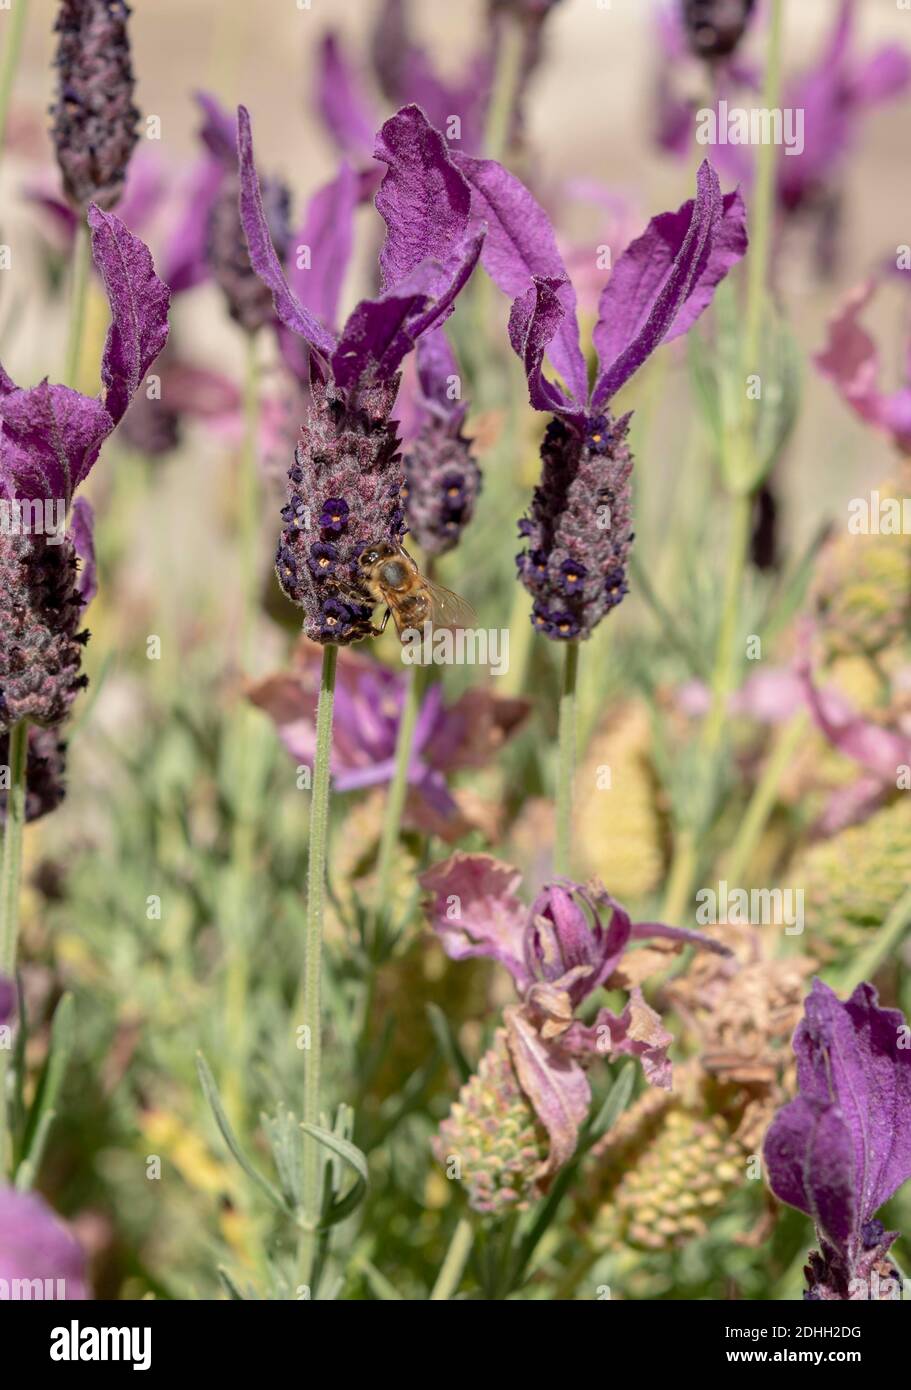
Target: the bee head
(373, 554)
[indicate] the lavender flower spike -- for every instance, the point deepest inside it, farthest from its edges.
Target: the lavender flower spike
(843, 1147)
(579, 528)
(94, 117)
(50, 439)
(345, 485)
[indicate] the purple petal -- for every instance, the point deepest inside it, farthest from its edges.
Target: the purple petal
(810, 1161)
(139, 309)
(446, 280)
(50, 439)
(185, 262)
(555, 1084)
(219, 129)
(879, 750)
(423, 199)
(687, 936)
(637, 1032)
(854, 1055)
(851, 362)
(437, 367)
(407, 74)
(35, 1244)
(520, 244)
(340, 102)
(665, 279)
(376, 337)
(534, 320)
(263, 256)
(81, 528)
(886, 74)
(328, 232)
(475, 912)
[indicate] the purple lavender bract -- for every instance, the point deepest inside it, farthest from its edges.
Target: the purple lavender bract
(36, 1245)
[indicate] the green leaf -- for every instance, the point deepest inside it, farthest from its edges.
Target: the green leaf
(449, 1043)
(232, 1289)
(352, 1156)
(44, 1108)
(615, 1102)
(210, 1090)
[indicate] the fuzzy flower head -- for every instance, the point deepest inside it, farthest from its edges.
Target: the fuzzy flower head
(843, 1146)
(442, 477)
(345, 484)
(578, 531)
(95, 121)
(559, 951)
(50, 439)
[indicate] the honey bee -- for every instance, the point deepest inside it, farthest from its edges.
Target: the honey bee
(391, 576)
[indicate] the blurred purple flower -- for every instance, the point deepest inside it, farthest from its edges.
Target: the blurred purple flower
(368, 709)
(50, 439)
(348, 450)
(579, 529)
(36, 1245)
(8, 1000)
(851, 362)
(842, 1148)
(559, 951)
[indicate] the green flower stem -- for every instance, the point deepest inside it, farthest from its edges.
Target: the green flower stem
(566, 759)
(240, 889)
(313, 948)
(886, 940)
(249, 503)
(763, 198)
(398, 789)
(79, 288)
(453, 1266)
(14, 25)
(507, 80)
(10, 878)
(763, 799)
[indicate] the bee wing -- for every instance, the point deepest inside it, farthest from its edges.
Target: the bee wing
(448, 609)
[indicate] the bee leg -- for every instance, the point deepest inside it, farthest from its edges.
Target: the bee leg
(383, 625)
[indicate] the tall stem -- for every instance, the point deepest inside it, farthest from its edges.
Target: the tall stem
(453, 1265)
(507, 79)
(15, 26)
(566, 759)
(313, 960)
(249, 502)
(398, 789)
(79, 286)
(10, 877)
(763, 799)
(741, 471)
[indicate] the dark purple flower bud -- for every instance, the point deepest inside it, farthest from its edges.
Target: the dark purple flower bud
(579, 529)
(249, 300)
(566, 939)
(95, 120)
(333, 514)
(714, 28)
(45, 771)
(442, 483)
(35, 1244)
